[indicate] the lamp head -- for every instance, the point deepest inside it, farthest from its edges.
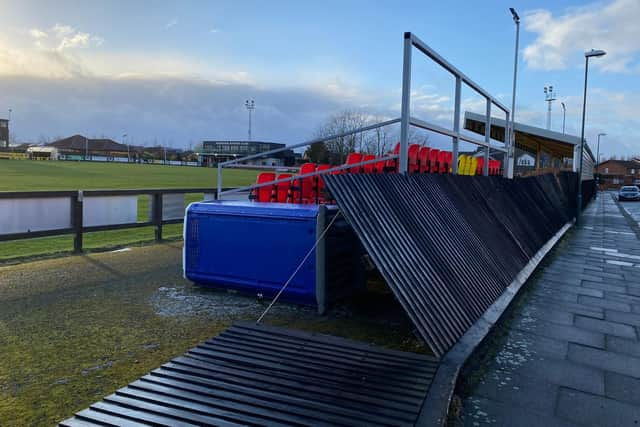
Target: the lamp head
(594, 53)
(516, 18)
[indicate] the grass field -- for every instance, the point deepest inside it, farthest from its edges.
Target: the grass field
(48, 175)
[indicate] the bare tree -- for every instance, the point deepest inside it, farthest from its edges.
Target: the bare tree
(338, 148)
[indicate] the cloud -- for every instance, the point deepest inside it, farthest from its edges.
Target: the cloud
(176, 111)
(171, 24)
(214, 31)
(561, 40)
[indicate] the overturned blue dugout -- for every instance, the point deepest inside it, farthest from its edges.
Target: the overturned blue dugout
(255, 247)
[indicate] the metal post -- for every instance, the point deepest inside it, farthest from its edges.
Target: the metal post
(219, 193)
(487, 139)
(598, 161)
(508, 167)
(86, 148)
(456, 125)
(581, 150)
(157, 215)
(406, 100)
(77, 221)
(564, 115)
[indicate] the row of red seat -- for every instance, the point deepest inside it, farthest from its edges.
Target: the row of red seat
(421, 159)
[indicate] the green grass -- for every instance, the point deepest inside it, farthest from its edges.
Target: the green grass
(24, 175)
(49, 175)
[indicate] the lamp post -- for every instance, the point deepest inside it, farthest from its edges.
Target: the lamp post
(591, 54)
(251, 105)
(511, 149)
(564, 115)
(124, 135)
(86, 148)
(598, 159)
(549, 97)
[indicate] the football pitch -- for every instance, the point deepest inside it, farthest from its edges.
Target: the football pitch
(25, 175)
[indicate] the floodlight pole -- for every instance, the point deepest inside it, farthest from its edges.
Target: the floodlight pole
(86, 148)
(564, 115)
(251, 105)
(512, 140)
(587, 55)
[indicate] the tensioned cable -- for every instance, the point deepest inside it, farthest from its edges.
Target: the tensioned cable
(299, 267)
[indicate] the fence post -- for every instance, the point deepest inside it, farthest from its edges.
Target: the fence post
(157, 215)
(76, 219)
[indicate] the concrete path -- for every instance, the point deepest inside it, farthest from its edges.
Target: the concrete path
(569, 352)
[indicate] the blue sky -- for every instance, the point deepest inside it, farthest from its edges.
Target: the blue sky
(178, 72)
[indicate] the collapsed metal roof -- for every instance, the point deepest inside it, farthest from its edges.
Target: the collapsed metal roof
(449, 245)
(261, 375)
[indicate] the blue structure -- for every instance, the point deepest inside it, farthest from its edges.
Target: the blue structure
(255, 247)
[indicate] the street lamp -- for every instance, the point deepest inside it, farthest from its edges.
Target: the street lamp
(251, 105)
(128, 152)
(549, 97)
(510, 153)
(591, 54)
(564, 115)
(86, 148)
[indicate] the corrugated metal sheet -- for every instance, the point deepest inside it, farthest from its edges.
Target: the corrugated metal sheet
(260, 375)
(449, 245)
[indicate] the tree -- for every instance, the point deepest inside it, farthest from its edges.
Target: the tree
(317, 153)
(338, 148)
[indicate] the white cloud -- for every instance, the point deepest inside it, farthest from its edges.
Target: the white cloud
(214, 31)
(37, 34)
(171, 24)
(561, 40)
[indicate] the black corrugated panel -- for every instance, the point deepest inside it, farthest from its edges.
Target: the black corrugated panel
(260, 375)
(449, 245)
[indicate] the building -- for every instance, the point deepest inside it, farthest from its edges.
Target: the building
(213, 152)
(4, 133)
(76, 147)
(551, 151)
(616, 173)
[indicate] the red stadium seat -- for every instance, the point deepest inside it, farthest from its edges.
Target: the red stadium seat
(283, 189)
(267, 193)
(392, 165)
(307, 186)
(319, 193)
(434, 155)
(352, 159)
(371, 167)
(423, 160)
(413, 165)
(449, 161)
(480, 167)
(443, 162)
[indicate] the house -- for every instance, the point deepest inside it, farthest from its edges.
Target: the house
(78, 147)
(615, 173)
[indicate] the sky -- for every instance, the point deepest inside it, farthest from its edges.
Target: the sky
(176, 73)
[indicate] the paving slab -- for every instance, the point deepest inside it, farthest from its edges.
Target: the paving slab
(568, 352)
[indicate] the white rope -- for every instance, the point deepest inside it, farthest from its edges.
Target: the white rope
(298, 268)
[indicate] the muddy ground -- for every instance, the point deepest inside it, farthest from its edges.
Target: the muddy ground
(75, 329)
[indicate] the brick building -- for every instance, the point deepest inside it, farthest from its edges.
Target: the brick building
(616, 173)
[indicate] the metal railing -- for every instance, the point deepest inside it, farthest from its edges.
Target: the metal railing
(405, 120)
(411, 41)
(76, 220)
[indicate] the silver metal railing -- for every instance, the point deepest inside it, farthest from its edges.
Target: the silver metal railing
(411, 41)
(406, 120)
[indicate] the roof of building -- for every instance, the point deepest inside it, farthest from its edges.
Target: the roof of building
(528, 138)
(79, 142)
(633, 163)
